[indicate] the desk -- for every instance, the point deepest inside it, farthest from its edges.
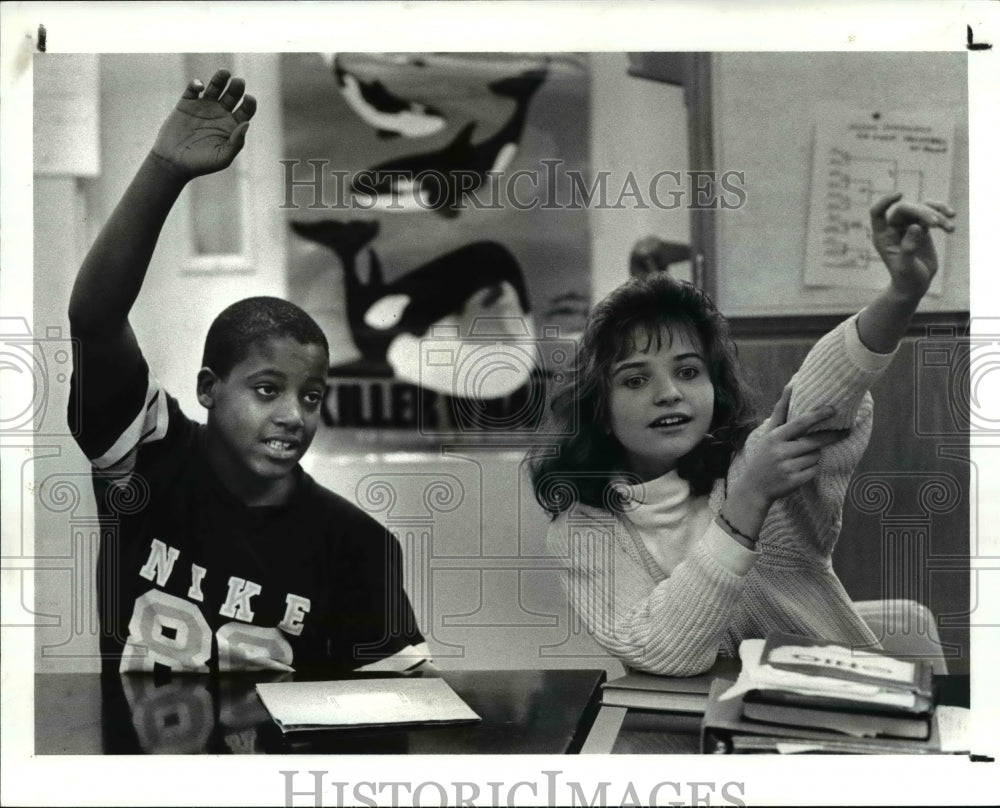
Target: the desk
(523, 712)
(621, 731)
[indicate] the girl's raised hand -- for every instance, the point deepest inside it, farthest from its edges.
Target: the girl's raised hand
(207, 128)
(902, 237)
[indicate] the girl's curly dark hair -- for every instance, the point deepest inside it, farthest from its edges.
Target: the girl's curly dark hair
(587, 460)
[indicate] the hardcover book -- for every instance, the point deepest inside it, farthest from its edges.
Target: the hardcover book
(726, 730)
(683, 694)
(862, 725)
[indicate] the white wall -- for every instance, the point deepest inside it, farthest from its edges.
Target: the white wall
(60, 498)
(640, 126)
(65, 527)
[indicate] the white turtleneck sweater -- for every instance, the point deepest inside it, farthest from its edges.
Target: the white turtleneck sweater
(670, 522)
(663, 588)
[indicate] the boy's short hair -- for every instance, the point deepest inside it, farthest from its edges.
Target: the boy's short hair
(251, 320)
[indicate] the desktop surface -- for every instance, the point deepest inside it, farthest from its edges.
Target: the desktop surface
(523, 712)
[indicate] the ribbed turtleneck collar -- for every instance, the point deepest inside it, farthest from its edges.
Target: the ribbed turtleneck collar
(668, 518)
(666, 492)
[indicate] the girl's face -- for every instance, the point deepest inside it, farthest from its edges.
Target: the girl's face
(661, 401)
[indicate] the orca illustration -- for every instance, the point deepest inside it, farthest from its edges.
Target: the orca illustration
(459, 166)
(390, 115)
(458, 325)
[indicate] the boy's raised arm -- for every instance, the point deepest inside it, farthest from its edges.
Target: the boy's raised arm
(201, 135)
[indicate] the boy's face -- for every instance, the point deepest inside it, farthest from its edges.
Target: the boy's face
(264, 414)
(661, 401)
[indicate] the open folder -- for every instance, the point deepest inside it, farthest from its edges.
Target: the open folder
(297, 706)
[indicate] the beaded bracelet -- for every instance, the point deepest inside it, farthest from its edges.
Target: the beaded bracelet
(735, 530)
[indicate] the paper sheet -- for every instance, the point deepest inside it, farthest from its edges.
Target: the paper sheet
(859, 156)
(362, 702)
(953, 726)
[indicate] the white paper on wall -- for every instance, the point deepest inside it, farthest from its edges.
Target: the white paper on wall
(66, 115)
(859, 156)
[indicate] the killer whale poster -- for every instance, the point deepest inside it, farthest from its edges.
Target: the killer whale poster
(426, 234)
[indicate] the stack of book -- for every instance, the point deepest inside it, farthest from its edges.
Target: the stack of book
(796, 694)
(677, 694)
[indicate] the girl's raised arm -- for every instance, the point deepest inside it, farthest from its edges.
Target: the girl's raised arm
(902, 237)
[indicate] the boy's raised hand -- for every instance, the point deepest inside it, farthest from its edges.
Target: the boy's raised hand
(902, 237)
(206, 130)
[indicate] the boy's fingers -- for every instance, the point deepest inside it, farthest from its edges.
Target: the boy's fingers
(193, 90)
(217, 84)
(234, 92)
(244, 112)
(239, 136)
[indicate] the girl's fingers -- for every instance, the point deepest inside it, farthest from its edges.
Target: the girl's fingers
(908, 213)
(780, 413)
(944, 213)
(878, 210)
(913, 239)
(217, 84)
(928, 214)
(802, 462)
(193, 90)
(234, 92)
(798, 427)
(800, 478)
(941, 208)
(244, 112)
(905, 214)
(821, 439)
